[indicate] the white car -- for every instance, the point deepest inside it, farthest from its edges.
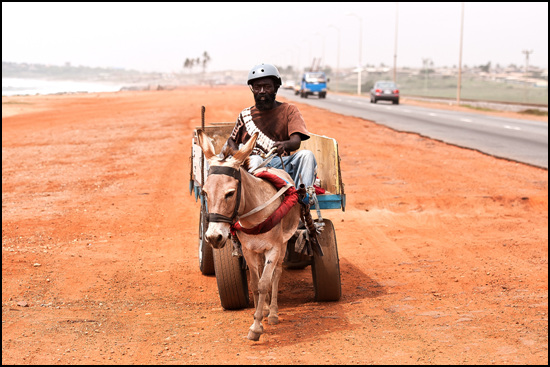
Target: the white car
(289, 84)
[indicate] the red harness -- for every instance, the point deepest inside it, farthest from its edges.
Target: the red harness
(290, 199)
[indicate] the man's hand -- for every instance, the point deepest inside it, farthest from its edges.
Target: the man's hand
(288, 146)
(280, 147)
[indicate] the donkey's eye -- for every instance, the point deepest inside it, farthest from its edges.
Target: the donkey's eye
(229, 194)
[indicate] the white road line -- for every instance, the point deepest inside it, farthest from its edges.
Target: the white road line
(512, 127)
(466, 120)
(432, 114)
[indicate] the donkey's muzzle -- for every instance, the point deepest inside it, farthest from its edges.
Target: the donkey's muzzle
(216, 240)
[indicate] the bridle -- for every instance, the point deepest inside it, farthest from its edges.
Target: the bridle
(236, 174)
(286, 188)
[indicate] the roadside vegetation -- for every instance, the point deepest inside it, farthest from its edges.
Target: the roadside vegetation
(472, 87)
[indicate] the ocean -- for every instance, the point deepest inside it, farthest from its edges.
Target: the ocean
(19, 86)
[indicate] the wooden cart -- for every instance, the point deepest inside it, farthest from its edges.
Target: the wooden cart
(231, 271)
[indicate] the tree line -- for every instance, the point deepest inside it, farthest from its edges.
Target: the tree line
(190, 64)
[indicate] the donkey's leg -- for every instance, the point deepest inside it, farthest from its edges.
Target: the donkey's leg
(273, 317)
(253, 261)
(271, 259)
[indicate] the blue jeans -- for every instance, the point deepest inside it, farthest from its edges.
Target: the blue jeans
(300, 164)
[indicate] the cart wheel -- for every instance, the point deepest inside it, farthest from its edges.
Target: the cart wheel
(206, 258)
(326, 269)
(231, 278)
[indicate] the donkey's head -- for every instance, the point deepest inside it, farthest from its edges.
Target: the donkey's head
(222, 188)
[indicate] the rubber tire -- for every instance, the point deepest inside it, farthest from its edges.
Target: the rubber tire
(231, 278)
(206, 257)
(326, 269)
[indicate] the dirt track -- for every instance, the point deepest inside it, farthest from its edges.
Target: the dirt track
(443, 250)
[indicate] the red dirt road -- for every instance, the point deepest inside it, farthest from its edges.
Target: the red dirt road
(443, 250)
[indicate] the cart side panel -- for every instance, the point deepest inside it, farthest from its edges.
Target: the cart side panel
(219, 133)
(325, 150)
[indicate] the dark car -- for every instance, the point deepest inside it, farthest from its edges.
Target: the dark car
(384, 91)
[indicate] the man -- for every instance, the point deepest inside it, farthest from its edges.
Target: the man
(280, 125)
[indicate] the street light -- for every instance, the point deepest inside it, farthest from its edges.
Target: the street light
(460, 58)
(298, 61)
(360, 52)
(322, 63)
(337, 59)
(395, 46)
(309, 42)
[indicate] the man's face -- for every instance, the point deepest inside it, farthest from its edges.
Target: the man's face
(264, 93)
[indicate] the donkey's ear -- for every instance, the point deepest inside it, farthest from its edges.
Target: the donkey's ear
(246, 149)
(206, 144)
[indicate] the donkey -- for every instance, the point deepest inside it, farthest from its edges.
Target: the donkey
(233, 193)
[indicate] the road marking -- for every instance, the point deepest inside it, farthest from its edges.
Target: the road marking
(432, 114)
(512, 127)
(466, 120)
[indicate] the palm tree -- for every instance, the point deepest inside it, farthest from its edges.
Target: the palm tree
(205, 61)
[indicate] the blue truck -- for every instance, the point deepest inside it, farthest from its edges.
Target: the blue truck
(314, 83)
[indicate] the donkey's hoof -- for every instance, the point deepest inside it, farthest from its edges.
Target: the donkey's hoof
(273, 320)
(252, 335)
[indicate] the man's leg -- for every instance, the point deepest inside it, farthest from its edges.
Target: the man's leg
(300, 164)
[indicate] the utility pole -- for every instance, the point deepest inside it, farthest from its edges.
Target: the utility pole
(337, 59)
(395, 48)
(527, 53)
(425, 62)
(360, 52)
(460, 59)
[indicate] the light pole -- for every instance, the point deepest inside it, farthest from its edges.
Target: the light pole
(322, 63)
(395, 48)
(337, 59)
(425, 63)
(298, 61)
(309, 42)
(525, 82)
(460, 58)
(360, 52)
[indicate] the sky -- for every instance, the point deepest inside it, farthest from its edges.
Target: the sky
(160, 36)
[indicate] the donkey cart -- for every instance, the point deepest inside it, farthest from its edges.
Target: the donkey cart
(231, 270)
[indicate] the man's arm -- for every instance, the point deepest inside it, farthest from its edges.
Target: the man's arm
(288, 145)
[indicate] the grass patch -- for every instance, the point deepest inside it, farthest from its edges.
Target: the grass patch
(533, 111)
(435, 86)
(478, 108)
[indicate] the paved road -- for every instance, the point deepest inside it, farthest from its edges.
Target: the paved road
(514, 139)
